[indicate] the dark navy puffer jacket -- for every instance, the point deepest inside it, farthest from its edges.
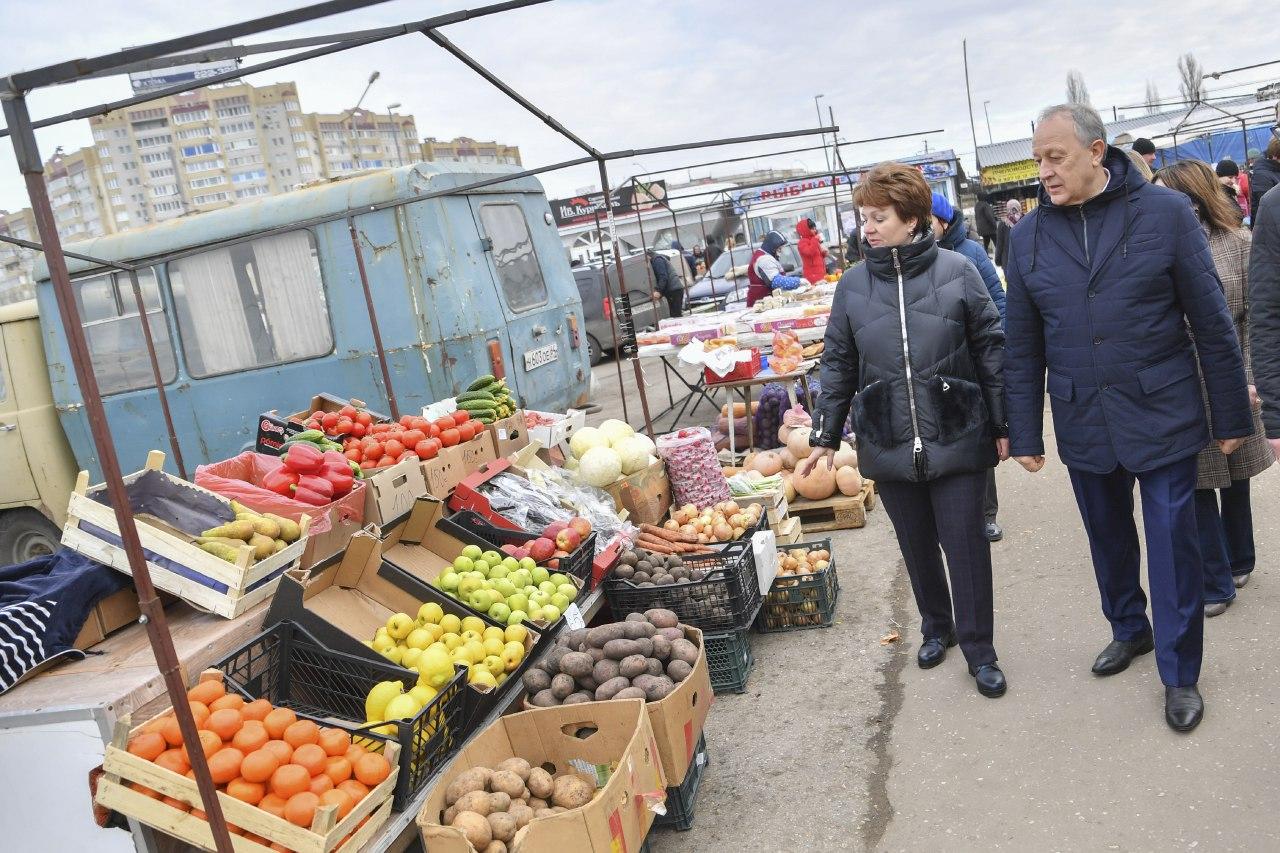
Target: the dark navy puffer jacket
(942, 415)
(1099, 295)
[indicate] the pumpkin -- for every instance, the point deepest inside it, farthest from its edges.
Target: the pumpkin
(846, 456)
(798, 442)
(820, 483)
(784, 432)
(788, 460)
(848, 480)
(767, 463)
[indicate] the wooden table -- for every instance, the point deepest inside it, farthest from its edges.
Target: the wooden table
(764, 377)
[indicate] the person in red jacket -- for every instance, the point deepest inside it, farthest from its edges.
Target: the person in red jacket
(812, 253)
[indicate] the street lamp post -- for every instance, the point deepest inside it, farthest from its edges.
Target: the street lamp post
(395, 133)
(818, 110)
(990, 141)
(355, 144)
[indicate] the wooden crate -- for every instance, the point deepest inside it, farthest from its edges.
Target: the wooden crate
(774, 504)
(325, 834)
(836, 513)
(790, 531)
(167, 548)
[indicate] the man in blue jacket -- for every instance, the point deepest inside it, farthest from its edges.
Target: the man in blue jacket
(950, 231)
(1105, 276)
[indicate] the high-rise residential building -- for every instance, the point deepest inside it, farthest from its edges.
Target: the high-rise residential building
(85, 201)
(466, 150)
(359, 140)
(16, 263)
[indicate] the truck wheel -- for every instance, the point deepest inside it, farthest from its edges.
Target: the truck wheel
(594, 354)
(26, 534)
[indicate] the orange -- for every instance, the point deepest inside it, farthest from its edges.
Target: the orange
(195, 812)
(177, 804)
(301, 808)
(357, 790)
(171, 732)
(207, 692)
(320, 784)
(256, 839)
(253, 736)
(280, 750)
(276, 845)
(303, 731)
(256, 710)
(231, 700)
(273, 804)
(338, 798)
(249, 792)
(209, 744)
(279, 720)
(175, 760)
(290, 779)
(335, 741)
(224, 722)
(258, 766)
(141, 789)
(147, 745)
(199, 711)
(310, 756)
(338, 769)
(371, 769)
(224, 765)
(353, 754)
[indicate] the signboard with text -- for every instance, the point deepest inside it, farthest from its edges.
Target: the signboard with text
(159, 78)
(581, 209)
(933, 170)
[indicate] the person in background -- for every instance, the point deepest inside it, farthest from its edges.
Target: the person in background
(1226, 532)
(951, 233)
(699, 262)
(1104, 277)
(667, 282)
(1140, 164)
(1264, 311)
(689, 260)
(1146, 149)
(812, 252)
(713, 251)
(1228, 177)
(1242, 182)
(985, 216)
(914, 346)
(764, 270)
(1265, 173)
(1012, 214)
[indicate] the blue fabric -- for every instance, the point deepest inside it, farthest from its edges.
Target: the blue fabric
(957, 239)
(773, 242)
(1174, 567)
(1100, 295)
(942, 208)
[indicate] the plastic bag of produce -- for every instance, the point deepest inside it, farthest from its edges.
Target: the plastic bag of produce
(693, 467)
(773, 402)
(787, 352)
(549, 495)
(240, 479)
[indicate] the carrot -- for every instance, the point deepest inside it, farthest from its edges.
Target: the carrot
(655, 546)
(669, 535)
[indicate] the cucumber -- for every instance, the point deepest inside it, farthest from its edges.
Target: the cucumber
(312, 435)
(473, 395)
(483, 382)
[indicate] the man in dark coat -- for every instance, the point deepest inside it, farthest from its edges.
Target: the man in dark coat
(1264, 311)
(1265, 173)
(985, 215)
(667, 282)
(1104, 278)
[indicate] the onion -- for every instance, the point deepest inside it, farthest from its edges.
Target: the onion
(722, 532)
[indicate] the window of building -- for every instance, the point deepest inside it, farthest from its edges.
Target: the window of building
(151, 142)
(122, 216)
(251, 305)
(255, 175)
(188, 116)
(166, 206)
(201, 132)
(250, 192)
(99, 134)
(114, 333)
(242, 144)
(108, 168)
(245, 160)
(295, 121)
(164, 190)
(211, 198)
(129, 165)
(117, 199)
(197, 150)
(514, 256)
(202, 165)
(236, 127)
(302, 153)
(300, 137)
(104, 150)
(113, 183)
(304, 168)
(142, 115)
(153, 124)
(211, 181)
(156, 174)
(157, 157)
(232, 112)
(292, 105)
(125, 149)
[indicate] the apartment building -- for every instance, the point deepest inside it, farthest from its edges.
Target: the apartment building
(84, 200)
(16, 263)
(466, 150)
(358, 140)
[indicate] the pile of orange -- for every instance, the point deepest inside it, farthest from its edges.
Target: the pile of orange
(264, 756)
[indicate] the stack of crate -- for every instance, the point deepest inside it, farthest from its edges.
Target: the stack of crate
(786, 527)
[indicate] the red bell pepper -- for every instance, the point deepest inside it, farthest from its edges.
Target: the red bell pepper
(303, 458)
(281, 481)
(337, 470)
(313, 490)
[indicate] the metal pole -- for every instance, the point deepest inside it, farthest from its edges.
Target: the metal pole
(964, 46)
(987, 113)
(395, 135)
(653, 290)
(818, 110)
(608, 295)
(155, 373)
(373, 320)
(27, 154)
(622, 288)
(835, 206)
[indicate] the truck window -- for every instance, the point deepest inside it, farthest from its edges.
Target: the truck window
(111, 327)
(514, 257)
(250, 305)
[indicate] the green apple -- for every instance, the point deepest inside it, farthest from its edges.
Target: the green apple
(472, 552)
(504, 587)
(539, 574)
(536, 615)
(528, 563)
(529, 589)
(498, 571)
(511, 563)
(521, 578)
(482, 566)
(547, 586)
(449, 581)
(499, 612)
(480, 600)
(463, 564)
(559, 578)
(491, 557)
(560, 600)
(568, 590)
(468, 585)
(550, 613)
(516, 617)
(540, 598)
(518, 601)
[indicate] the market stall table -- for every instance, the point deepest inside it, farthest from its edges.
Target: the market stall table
(765, 377)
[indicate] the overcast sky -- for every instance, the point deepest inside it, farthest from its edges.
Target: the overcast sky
(636, 73)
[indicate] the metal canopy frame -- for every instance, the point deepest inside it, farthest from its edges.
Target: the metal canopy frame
(20, 128)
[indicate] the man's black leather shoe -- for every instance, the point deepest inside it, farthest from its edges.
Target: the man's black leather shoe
(1118, 654)
(1183, 708)
(933, 650)
(991, 682)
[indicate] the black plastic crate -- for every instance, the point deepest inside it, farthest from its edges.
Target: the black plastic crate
(797, 602)
(725, 600)
(288, 667)
(474, 529)
(682, 798)
(730, 660)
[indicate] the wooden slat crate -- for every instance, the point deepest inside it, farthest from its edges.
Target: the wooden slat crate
(836, 513)
(177, 564)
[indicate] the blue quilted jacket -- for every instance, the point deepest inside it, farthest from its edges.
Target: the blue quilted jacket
(1100, 296)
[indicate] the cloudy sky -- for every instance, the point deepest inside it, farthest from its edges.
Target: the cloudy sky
(636, 73)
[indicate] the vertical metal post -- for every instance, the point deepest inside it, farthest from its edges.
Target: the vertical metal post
(155, 374)
(27, 153)
(835, 201)
(653, 291)
(373, 319)
(608, 295)
(622, 288)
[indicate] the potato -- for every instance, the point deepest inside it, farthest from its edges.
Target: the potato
(508, 783)
(630, 693)
(562, 685)
(655, 666)
(619, 649)
(638, 630)
(449, 814)
(475, 827)
(500, 802)
(544, 699)
(550, 663)
(475, 779)
(658, 688)
(518, 766)
(522, 814)
(578, 698)
(540, 784)
(535, 680)
(495, 847)
(604, 670)
(577, 664)
(635, 617)
(644, 646)
(671, 634)
(678, 670)
(572, 791)
(661, 648)
(685, 651)
(502, 826)
(544, 813)
(597, 655)
(475, 801)
(589, 684)
(631, 666)
(660, 618)
(536, 803)
(598, 636)
(575, 638)
(606, 691)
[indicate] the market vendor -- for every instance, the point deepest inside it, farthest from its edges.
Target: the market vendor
(812, 252)
(765, 271)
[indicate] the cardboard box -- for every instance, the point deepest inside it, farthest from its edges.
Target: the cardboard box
(646, 494)
(602, 739)
(116, 611)
(442, 474)
(391, 492)
(343, 524)
(678, 719)
(560, 430)
(508, 435)
(275, 429)
(475, 452)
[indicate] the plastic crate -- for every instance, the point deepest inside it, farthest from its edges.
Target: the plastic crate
(798, 602)
(725, 600)
(683, 797)
(730, 660)
(474, 529)
(287, 666)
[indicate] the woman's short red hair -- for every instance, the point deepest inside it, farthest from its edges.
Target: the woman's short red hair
(899, 186)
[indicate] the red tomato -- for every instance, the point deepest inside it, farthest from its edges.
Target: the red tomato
(364, 418)
(447, 422)
(427, 448)
(466, 431)
(411, 437)
(406, 421)
(433, 431)
(379, 429)
(375, 451)
(343, 427)
(386, 462)
(449, 437)
(420, 424)
(348, 411)
(358, 429)
(329, 420)
(461, 416)
(394, 447)
(355, 454)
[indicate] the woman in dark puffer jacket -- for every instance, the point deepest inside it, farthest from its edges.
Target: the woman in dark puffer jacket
(914, 344)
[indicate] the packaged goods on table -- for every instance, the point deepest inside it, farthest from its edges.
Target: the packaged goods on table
(548, 496)
(693, 467)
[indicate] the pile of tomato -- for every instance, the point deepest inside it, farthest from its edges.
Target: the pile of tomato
(381, 445)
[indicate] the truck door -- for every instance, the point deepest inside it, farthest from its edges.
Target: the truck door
(19, 486)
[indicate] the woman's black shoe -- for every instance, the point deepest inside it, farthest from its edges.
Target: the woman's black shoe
(934, 650)
(990, 680)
